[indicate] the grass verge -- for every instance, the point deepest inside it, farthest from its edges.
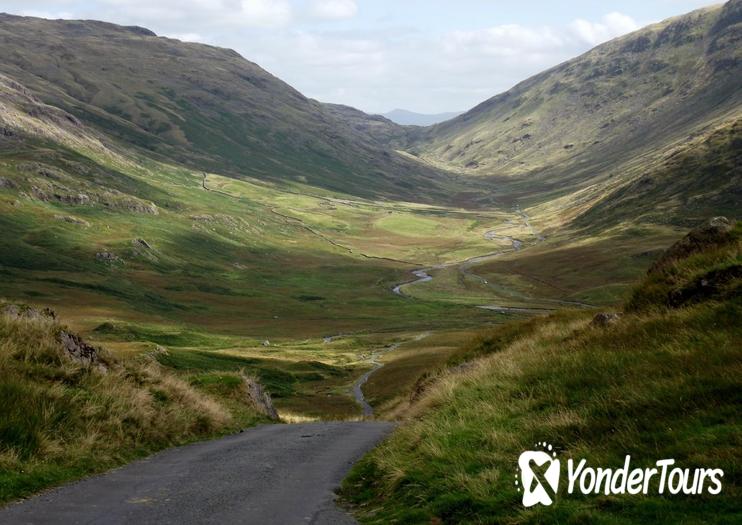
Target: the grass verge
(663, 381)
(61, 419)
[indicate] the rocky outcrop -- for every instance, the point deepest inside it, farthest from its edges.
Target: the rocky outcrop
(73, 346)
(259, 397)
(716, 232)
(80, 351)
(77, 199)
(135, 205)
(16, 311)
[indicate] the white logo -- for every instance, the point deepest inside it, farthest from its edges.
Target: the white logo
(539, 471)
(539, 475)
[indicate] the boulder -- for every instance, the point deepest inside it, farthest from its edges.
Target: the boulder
(72, 220)
(604, 319)
(80, 351)
(107, 257)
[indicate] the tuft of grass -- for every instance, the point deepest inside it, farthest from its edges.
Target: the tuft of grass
(60, 419)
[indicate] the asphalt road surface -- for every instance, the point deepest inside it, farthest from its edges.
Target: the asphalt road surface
(271, 474)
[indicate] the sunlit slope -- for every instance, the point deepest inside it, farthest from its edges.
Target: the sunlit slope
(102, 232)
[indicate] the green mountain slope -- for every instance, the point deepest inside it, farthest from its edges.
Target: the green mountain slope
(603, 117)
(199, 105)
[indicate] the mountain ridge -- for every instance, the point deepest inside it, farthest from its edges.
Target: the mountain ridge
(597, 122)
(200, 105)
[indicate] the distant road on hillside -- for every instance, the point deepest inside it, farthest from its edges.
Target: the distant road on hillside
(271, 474)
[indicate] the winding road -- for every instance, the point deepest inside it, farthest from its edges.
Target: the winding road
(422, 275)
(368, 410)
(267, 475)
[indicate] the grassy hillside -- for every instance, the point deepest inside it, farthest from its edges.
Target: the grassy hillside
(69, 410)
(134, 252)
(202, 106)
(602, 123)
(662, 381)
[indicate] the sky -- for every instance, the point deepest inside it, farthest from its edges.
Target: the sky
(429, 56)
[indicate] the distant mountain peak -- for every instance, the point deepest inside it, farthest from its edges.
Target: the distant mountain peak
(410, 118)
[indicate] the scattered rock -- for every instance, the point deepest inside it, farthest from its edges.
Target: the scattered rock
(143, 248)
(6, 183)
(6, 132)
(604, 319)
(11, 310)
(259, 398)
(16, 311)
(80, 351)
(157, 352)
(107, 257)
(79, 199)
(141, 243)
(148, 208)
(72, 220)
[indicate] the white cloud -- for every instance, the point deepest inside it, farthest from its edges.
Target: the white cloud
(376, 70)
(266, 12)
(611, 26)
(177, 16)
(334, 9)
(503, 41)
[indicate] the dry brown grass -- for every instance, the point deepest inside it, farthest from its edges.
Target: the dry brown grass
(61, 419)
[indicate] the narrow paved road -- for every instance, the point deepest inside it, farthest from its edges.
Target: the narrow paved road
(271, 474)
(368, 410)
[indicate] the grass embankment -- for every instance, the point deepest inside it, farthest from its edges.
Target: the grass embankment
(663, 381)
(61, 419)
